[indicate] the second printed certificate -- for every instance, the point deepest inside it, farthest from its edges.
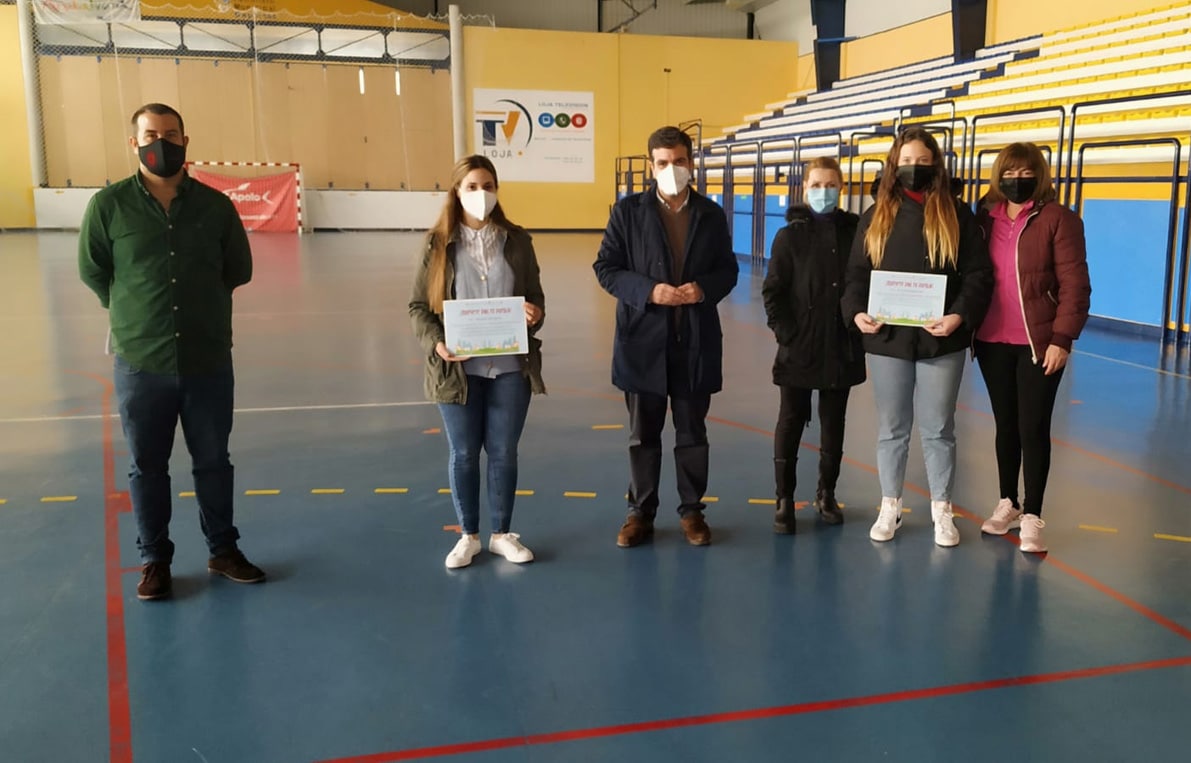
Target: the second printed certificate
(486, 326)
(906, 299)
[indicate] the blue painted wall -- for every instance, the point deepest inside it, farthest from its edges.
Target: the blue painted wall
(742, 224)
(1127, 258)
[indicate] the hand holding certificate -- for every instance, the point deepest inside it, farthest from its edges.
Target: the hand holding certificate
(906, 299)
(477, 327)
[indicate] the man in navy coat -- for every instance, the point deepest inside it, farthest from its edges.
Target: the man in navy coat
(667, 258)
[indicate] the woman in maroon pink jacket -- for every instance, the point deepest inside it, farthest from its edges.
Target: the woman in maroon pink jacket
(1039, 306)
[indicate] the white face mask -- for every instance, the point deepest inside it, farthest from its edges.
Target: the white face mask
(478, 203)
(673, 179)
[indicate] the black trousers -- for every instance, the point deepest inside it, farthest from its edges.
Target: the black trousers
(1023, 400)
(792, 418)
(647, 417)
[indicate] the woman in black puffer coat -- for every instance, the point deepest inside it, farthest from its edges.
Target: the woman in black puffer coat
(816, 350)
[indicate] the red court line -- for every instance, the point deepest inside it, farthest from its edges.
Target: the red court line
(1098, 457)
(959, 510)
(114, 504)
(804, 708)
(1061, 443)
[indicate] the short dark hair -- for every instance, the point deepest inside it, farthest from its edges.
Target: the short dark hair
(161, 110)
(670, 137)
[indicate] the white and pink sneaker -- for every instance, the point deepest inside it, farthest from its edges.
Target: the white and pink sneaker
(1031, 534)
(1004, 518)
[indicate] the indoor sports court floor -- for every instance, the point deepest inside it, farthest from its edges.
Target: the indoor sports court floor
(363, 648)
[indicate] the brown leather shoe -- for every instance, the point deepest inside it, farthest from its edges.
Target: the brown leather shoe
(156, 582)
(233, 566)
(635, 531)
(695, 528)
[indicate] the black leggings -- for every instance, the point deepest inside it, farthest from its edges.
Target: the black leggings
(795, 412)
(1023, 399)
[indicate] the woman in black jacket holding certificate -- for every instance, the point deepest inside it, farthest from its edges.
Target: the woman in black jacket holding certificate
(816, 350)
(917, 227)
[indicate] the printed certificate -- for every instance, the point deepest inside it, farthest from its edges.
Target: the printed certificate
(906, 299)
(486, 326)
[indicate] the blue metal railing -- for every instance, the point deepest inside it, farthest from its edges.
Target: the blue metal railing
(1174, 179)
(1066, 159)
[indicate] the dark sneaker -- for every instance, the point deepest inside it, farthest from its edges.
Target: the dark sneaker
(695, 528)
(235, 567)
(635, 531)
(156, 582)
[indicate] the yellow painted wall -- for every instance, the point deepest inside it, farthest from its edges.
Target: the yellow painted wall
(16, 175)
(1014, 19)
(920, 41)
(713, 80)
(806, 74)
(521, 59)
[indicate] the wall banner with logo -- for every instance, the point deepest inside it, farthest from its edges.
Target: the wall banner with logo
(268, 203)
(537, 136)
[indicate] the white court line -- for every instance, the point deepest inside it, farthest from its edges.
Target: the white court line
(282, 409)
(1132, 365)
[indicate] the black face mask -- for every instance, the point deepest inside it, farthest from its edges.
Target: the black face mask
(915, 177)
(163, 158)
(1018, 190)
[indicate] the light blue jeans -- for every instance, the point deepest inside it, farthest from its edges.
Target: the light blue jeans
(492, 420)
(931, 387)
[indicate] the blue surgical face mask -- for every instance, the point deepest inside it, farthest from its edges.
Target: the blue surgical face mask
(822, 200)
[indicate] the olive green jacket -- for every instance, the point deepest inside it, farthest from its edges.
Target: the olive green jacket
(446, 382)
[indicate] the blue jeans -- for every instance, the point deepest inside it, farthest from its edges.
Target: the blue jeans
(150, 407)
(492, 419)
(930, 387)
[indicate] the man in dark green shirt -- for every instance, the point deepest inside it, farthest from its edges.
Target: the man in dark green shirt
(163, 252)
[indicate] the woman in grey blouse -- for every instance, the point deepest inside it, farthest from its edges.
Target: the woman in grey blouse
(474, 252)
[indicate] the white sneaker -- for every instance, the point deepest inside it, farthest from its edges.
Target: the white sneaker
(888, 520)
(509, 546)
(1031, 534)
(464, 551)
(946, 534)
(1004, 518)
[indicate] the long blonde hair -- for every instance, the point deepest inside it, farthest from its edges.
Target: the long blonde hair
(941, 225)
(437, 288)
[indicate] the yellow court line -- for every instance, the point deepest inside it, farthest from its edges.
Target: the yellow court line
(710, 499)
(574, 494)
(608, 426)
(763, 501)
(1179, 538)
(186, 494)
(1098, 529)
(523, 492)
(262, 492)
(3, 501)
(327, 491)
(444, 491)
(59, 498)
(391, 490)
